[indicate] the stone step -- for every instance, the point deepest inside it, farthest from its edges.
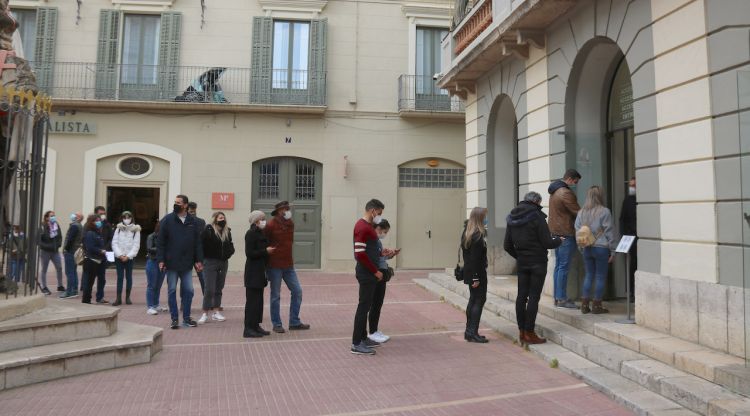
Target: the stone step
(132, 344)
(714, 366)
(627, 376)
(18, 306)
(59, 321)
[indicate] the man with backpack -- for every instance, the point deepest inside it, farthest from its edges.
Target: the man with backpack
(563, 208)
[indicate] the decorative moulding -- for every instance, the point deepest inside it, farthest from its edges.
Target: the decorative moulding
(28, 3)
(291, 7)
(143, 5)
(427, 10)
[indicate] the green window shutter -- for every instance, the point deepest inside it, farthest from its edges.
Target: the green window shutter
(106, 58)
(317, 75)
(169, 54)
(262, 56)
(44, 52)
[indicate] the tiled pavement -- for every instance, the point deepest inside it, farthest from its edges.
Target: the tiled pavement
(426, 368)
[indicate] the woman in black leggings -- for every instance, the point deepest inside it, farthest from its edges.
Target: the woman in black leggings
(94, 254)
(474, 248)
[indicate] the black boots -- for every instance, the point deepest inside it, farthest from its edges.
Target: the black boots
(118, 301)
(127, 297)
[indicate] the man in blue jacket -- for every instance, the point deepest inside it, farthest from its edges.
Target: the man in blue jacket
(178, 250)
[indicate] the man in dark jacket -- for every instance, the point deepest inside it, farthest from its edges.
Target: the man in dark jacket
(106, 233)
(527, 239)
(178, 250)
(563, 208)
(629, 226)
(73, 239)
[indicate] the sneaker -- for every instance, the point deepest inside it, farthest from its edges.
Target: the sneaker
(66, 295)
(568, 304)
(362, 349)
(217, 316)
(46, 291)
(262, 331)
(379, 337)
(152, 311)
(60, 289)
(102, 301)
(189, 323)
(299, 327)
(370, 343)
(203, 319)
(162, 309)
(175, 324)
(279, 329)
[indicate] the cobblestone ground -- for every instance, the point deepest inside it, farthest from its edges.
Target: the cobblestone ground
(425, 369)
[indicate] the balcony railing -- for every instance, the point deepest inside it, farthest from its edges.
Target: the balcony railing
(421, 93)
(185, 84)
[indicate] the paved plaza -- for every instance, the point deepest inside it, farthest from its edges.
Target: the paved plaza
(425, 369)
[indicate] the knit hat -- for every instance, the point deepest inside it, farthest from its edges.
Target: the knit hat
(127, 214)
(255, 216)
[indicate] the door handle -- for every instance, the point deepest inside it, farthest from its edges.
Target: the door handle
(429, 234)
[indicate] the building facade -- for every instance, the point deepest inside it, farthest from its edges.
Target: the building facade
(241, 104)
(619, 89)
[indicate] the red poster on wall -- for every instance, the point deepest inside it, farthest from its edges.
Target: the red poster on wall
(222, 200)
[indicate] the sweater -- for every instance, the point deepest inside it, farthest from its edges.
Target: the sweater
(280, 234)
(600, 223)
(73, 238)
(366, 250)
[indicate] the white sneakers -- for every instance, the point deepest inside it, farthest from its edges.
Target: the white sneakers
(379, 337)
(162, 309)
(203, 319)
(217, 316)
(152, 311)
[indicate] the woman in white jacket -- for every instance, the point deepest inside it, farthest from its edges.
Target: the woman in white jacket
(125, 244)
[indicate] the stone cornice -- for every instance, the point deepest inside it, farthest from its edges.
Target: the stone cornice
(297, 6)
(143, 5)
(430, 10)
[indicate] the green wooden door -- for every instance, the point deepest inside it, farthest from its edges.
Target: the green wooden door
(299, 182)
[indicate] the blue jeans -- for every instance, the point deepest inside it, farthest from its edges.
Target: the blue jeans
(186, 292)
(563, 256)
(16, 269)
(125, 269)
(71, 272)
(292, 282)
(596, 262)
(154, 281)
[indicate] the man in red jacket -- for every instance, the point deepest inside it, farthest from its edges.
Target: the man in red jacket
(280, 234)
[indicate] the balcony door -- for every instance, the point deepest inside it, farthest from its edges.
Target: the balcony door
(291, 46)
(140, 57)
(427, 94)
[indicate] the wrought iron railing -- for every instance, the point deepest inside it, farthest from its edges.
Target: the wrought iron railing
(421, 93)
(188, 84)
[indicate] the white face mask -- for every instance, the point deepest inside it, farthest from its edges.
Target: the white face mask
(103, 217)
(382, 236)
(287, 215)
(631, 191)
(262, 224)
(127, 221)
(377, 219)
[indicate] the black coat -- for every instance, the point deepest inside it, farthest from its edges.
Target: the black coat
(257, 258)
(475, 259)
(527, 237)
(178, 244)
(628, 220)
(48, 243)
(213, 247)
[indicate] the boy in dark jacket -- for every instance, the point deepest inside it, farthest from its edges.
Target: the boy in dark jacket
(527, 239)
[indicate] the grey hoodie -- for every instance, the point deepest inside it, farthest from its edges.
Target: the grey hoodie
(600, 219)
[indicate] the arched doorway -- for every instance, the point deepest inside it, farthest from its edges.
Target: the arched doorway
(299, 181)
(431, 210)
(599, 132)
(502, 173)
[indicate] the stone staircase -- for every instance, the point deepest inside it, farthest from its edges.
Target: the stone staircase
(44, 339)
(645, 370)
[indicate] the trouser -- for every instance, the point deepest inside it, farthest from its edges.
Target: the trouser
(377, 305)
(101, 275)
(124, 270)
(214, 275)
(186, 292)
(289, 276)
(16, 269)
(154, 281)
(202, 281)
(71, 272)
(530, 284)
(563, 257)
(596, 262)
(367, 286)
(253, 307)
(477, 297)
(90, 273)
(44, 258)
(633, 267)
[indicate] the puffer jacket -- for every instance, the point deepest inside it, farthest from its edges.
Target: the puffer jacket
(527, 238)
(126, 240)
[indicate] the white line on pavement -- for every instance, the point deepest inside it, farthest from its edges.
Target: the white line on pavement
(406, 302)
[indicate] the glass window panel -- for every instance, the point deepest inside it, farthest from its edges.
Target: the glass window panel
(140, 49)
(291, 51)
(281, 40)
(27, 30)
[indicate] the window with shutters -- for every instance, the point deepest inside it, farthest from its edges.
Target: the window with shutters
(38, 31)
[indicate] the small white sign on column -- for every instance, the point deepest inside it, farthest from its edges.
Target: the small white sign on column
(625, 243)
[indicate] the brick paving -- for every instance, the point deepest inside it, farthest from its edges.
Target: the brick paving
(426, 369)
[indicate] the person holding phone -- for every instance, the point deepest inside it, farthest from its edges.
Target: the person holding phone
(379, 296)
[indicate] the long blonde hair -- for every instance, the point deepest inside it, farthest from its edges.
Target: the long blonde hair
(223, 233)
(594, 202)
(474, 225)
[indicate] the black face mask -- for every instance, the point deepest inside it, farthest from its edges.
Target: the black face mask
(177, 208)
(221, 223)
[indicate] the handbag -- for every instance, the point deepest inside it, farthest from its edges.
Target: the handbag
(458, 272)
(79, 256)
(388, 274)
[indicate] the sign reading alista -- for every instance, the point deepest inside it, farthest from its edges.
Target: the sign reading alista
(71, 127)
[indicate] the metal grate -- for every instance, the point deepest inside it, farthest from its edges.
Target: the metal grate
(304, 181)
(431, 178)
(269, 180)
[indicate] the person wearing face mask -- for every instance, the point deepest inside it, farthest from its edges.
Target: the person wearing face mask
(50, 240)
(217, 249)
(201, 224)
(125, 244)
(367, 254)
(154, 276)
(94, 254)
(629, 226)
(280, 234)
(73, 239)
(179, 249)
(257, 252)
(106, 231)
(563, 208)
(378, 297)
(17, 254)
(474, 250)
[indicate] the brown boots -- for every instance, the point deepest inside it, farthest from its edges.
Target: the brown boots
(598, 308)
(585, 306)
(530, 337)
